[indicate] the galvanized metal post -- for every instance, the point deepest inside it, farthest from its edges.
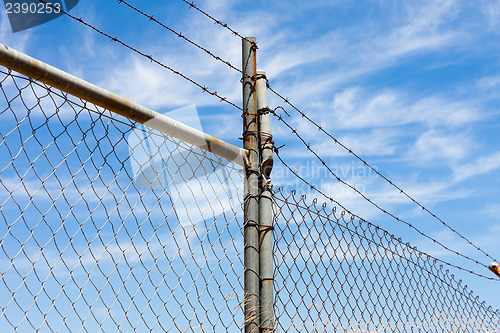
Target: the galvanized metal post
(251, 198)
(56, 78)
(265, 206)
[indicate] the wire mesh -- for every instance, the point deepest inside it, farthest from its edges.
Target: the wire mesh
(109, 226)
(337, 273)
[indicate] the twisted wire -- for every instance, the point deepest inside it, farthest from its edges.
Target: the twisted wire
(180, 35)
(294, 131)
(150, 57)
(378, 227)
(371, 282)
(82, 105)
(216, 21)
(338, 273)
(82, 237)
(192, 5)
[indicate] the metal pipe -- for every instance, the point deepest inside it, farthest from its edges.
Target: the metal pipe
(267, 322)
(70, 84)
(251, 198)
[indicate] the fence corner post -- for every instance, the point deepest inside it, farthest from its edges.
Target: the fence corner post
(267, 321)
(251, 195)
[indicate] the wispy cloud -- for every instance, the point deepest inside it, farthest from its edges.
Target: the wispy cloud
(434, 146)
(374, 142)
(491, 10)
(18, 41)
(486, 237)
(481, 165)
(366, 47)
(359, 108)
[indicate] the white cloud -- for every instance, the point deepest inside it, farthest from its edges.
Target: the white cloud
(488, 82)
(425, 28)
(485, 238)
(426, 193)
(348, 53)
(492, 210)
(481, 165)
(491, 11)
(389, 198)
(434, 146)
(355, 107)
(370, 143)
(18, 41)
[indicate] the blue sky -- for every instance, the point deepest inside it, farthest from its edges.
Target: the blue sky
(411, 86)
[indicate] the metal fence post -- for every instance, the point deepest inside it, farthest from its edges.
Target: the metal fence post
(75, 86)
(251, 197)
(265, 206)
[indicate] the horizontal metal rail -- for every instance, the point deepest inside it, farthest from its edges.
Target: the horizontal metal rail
(70, 84)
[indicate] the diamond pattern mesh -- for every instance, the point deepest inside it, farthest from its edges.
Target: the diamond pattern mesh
(108, 226)
(335, 273)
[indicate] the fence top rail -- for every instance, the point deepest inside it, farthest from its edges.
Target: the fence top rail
(89, 92)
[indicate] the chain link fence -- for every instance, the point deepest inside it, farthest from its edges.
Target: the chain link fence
(106, 225)
(335, 273)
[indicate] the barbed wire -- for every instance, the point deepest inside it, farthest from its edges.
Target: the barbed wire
(306, 207)
(344, 147)
(150, 57)
(192, 5)
(180, 35)
(114, 118)
(378, 227)
(308, 146)
(329, 266)
(332, 268)
(371, 168)
(214, 93)
(219, 22)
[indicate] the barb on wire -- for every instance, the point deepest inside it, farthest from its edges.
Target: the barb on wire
(192, 5)
(352, 217)
(180, 35)
(330, 265)
(65, 165)
(365, 197)
(329, 198)
(305, 116)
(216, 21)
(361, 194)
(150, 57)
(224, 99)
